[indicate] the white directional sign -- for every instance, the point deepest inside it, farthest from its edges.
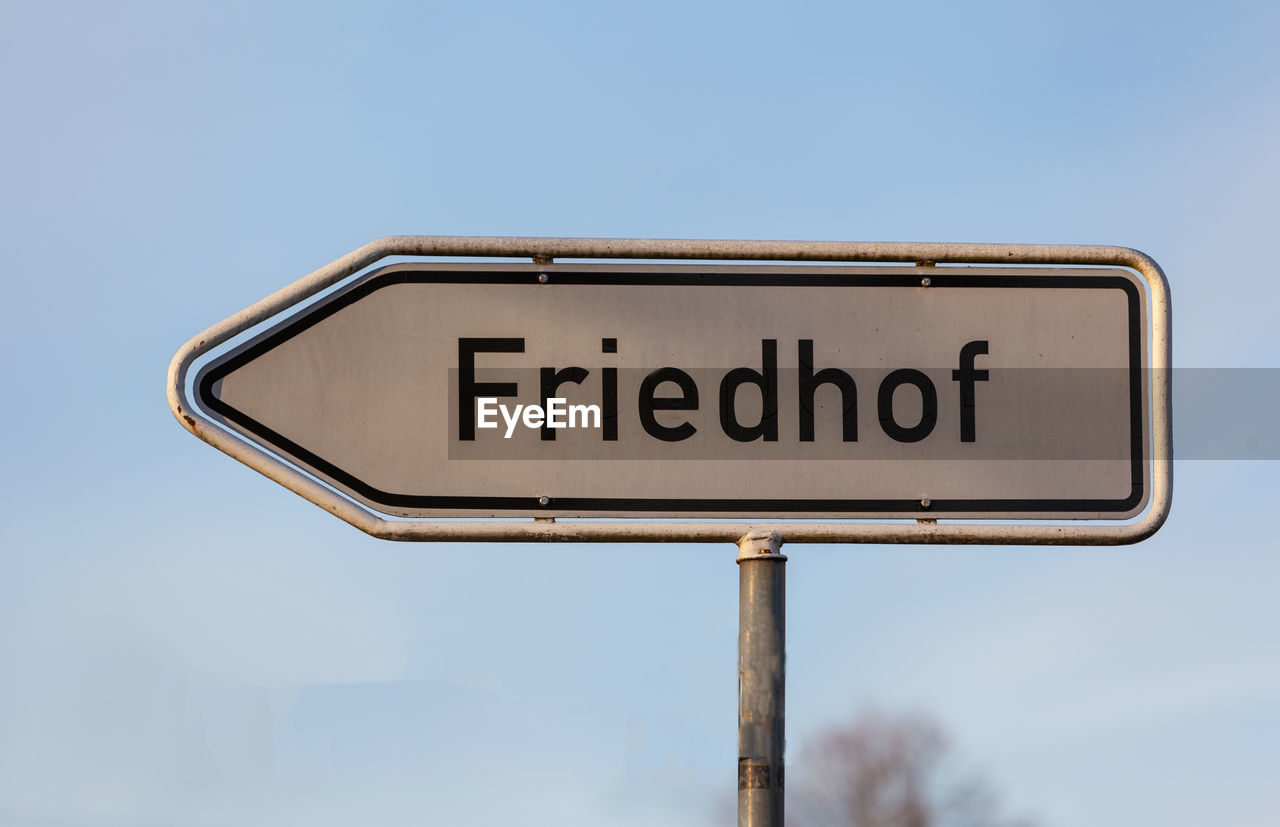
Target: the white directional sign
(570, 390)
(678, 391)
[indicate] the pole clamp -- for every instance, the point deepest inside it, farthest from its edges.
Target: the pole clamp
(756, 545)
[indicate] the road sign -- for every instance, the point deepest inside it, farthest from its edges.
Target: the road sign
(761, 392)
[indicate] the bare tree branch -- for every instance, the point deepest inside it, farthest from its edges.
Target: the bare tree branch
(887, 771)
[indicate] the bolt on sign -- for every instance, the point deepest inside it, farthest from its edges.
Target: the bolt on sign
(847, 384)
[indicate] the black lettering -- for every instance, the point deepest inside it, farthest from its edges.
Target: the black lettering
(966, 376)
(687, 401)
(469, 389)
(550, 380)
(809, 383)
(609, 394)
(767, 381)
(928, 405)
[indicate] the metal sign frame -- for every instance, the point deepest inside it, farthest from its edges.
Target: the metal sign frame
(545, 250)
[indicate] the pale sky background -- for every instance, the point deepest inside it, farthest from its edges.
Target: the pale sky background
(183, 642)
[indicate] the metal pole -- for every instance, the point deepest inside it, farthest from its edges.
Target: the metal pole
(762, 606)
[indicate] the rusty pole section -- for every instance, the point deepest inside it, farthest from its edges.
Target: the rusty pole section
(762, 673)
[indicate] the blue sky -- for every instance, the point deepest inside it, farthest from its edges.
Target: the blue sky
(182, 642)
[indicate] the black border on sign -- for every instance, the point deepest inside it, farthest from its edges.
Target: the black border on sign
(939, 279)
